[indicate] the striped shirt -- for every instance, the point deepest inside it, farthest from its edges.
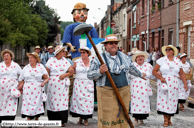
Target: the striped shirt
(114, 64)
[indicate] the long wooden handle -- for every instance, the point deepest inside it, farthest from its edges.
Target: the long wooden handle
(112, 82)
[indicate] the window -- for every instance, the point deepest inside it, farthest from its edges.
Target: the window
(129, 28)
(153, 39)
(162, 38)
(134, 19)
(143, 39)
(153, 2)
(170, 37)
(124, 22)
(143, 7)
(162, 3)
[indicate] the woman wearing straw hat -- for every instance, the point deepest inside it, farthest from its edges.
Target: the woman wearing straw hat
(167, 98)
(59, 69)
(32, 75)
(9, 71)
(182, 94)
(83, 91)
(140, 88)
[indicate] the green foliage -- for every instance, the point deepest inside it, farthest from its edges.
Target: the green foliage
(159, 6)
(27, 22)
(153, 9)
(64, 24)
(5, 30)
(50, 16)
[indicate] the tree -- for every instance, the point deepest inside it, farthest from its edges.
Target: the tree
(5, 30)
(24, 28)
(64, 24)
(50, 16)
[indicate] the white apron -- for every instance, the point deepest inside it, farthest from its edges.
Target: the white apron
(8, 79)
(141, 90)
(167, 100)
(83, 91)
(32, 103)
(58, 90)
(182, 94)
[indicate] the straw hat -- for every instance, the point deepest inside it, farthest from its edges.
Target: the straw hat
(35, 55)
(9, 51)
(138, 53)
(170, 46)
(85, 48)
(37, 47)
(183, 55)
(79, 6)
(134, 50)
(58, 49)
(49, 47)
(109, 38)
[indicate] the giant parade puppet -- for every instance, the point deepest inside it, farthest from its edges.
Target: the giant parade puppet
(80, 15)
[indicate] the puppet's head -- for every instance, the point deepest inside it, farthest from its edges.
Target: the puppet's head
(80, 13)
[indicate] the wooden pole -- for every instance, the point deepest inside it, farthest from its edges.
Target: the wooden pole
(112, 82)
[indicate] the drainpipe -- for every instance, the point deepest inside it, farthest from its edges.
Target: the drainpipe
(177, 24)
(131, 25)
(148, 11)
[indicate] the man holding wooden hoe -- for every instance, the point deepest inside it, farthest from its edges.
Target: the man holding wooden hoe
(110, 113)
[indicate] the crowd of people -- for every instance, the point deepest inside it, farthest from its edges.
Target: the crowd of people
(131, 74)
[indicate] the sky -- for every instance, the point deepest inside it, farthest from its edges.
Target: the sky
(64, 8)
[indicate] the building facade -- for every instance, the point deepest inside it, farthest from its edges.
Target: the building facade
(186, 29)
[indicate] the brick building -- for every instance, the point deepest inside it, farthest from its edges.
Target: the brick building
(142, 24)
(133, 24)
(169, 22)
(186, 30)
(154, 24)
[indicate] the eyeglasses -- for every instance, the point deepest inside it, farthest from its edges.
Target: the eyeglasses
(111, 43)
(82, 52)
(169, 49)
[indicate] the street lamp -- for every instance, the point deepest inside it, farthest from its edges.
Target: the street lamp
(102, 11)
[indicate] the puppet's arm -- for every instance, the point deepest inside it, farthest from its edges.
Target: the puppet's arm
(71, 46)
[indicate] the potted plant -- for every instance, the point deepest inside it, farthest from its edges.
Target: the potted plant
(159, 6)
(153, 9)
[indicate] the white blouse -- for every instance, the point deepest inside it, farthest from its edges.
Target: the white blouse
(58, 67)
(169, 67)
(13, 71)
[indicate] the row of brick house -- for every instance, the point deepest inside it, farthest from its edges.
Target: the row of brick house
(148, 24)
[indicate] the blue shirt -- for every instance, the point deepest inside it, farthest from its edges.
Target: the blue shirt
(48, 56)
(68, 37)
(94, 70)
(42, 58)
